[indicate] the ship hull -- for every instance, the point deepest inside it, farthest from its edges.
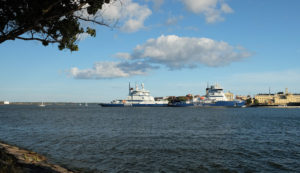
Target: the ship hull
(213, 104)
(221, 104)
(181, 104)
(132, 105)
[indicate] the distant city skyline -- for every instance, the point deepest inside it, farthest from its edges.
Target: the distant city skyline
(174, 47)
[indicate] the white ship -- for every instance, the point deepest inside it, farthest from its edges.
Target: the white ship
(214, 97)
(137, 98)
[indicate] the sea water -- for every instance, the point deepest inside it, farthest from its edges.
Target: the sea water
(163, 139)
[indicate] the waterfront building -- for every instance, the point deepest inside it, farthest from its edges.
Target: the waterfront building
(229, 96)
(4, 102)
(240, 97)
(281, 98)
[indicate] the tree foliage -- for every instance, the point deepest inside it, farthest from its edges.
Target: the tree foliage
(47, 21)
(256, 102)
(249, 101)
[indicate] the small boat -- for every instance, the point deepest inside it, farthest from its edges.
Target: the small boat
(42, 105)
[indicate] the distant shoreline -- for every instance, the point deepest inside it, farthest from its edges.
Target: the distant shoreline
(49, 103)
(93, 103)
(272, 106)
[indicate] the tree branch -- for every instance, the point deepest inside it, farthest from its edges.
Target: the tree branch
(56, 21)
(91, 20)
(50, 7)
(38, 39)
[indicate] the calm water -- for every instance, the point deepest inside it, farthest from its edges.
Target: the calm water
(158, 139)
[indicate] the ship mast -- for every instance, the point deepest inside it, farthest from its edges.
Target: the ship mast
(129, 89)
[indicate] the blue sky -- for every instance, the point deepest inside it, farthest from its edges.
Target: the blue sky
(174, 46)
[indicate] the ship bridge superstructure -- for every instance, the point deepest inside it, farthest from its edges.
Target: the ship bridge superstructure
(215, 93)
(139, 94)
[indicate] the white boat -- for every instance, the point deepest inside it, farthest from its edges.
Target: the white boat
(42, 105)
(137, 98)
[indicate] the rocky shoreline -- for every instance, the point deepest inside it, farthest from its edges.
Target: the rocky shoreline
(16, 160)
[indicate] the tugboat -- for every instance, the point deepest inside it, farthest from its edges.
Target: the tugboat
(137, 98)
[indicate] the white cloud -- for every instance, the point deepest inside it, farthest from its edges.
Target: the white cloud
(131, 15)
(186, 52)
(108, 70)
(82, 36)
(171, 51)
(211, 9)
(157, 3)
(173, 20)
(226, 9)
(123, 55)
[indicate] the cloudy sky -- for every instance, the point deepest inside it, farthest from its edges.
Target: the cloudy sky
(175, 47)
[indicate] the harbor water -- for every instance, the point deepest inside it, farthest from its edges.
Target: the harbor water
(166, 139)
